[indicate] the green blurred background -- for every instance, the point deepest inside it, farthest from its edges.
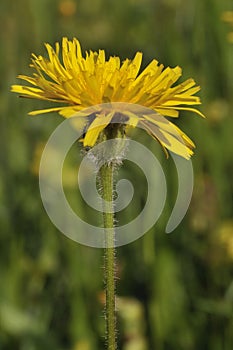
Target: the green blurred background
(175, 291)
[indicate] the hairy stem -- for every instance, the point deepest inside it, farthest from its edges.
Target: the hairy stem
(106, 178)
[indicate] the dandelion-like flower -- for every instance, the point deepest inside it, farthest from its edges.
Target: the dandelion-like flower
(76, 82)
(107, 96)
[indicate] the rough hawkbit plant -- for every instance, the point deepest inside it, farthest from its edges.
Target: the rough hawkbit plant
(76, 82)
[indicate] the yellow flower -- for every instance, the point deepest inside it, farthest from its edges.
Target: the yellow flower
(78, 82)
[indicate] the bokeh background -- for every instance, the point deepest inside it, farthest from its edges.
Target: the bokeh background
(175, 291)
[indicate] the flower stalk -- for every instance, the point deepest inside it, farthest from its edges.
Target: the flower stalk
(106, 179)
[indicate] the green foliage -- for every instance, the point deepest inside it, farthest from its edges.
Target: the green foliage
(175, 291)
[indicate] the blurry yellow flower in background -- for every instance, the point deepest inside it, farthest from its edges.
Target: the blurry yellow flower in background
(78, 82)
(67, 8)
(225, 236)
(227, 16)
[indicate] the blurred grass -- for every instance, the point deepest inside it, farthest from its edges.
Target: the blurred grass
(176, 291)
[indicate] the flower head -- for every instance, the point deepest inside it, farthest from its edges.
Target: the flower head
(76, 82)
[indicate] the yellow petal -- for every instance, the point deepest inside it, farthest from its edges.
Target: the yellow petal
(194, 110)
(99, 124)
(25, 89)
(42, 111)
(135, 66)
(172, 140)
(169, 112)
(133, 119)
